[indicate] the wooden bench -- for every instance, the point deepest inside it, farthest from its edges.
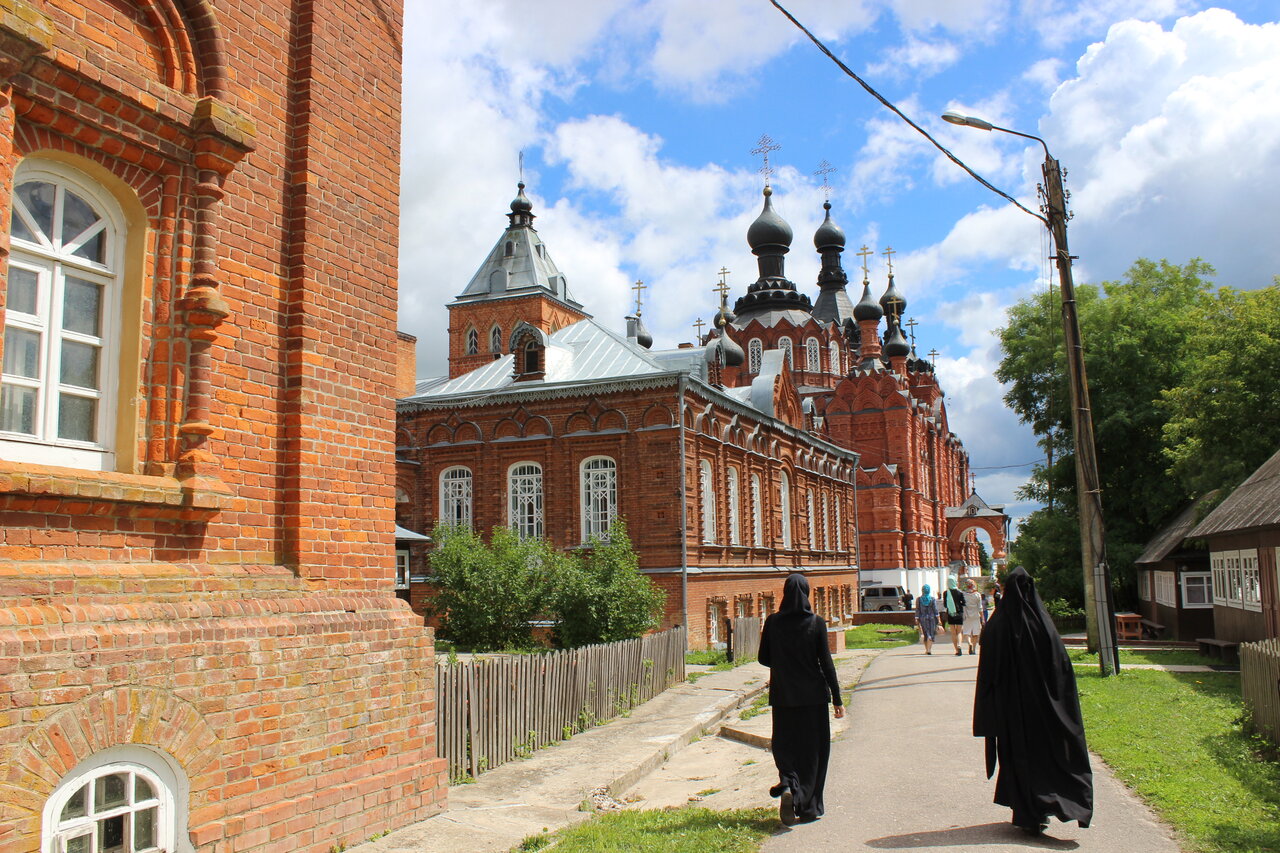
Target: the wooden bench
(1224, 650)
(1151, 629)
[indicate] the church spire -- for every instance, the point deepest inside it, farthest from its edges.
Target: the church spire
(833, 305)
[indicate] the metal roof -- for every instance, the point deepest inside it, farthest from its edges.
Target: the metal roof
(1170, 537)
(403, 534)
(1254, 503)
(518, 264)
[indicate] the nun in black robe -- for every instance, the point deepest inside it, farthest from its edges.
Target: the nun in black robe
(802, 681)
(1027, 708)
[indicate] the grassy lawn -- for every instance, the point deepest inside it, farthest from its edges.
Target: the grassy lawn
(867, 636)
(1176, 739)
(688, 830)
(1176, 657)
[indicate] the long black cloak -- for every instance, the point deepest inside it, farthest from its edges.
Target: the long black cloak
(1027, 708)
(802, 680)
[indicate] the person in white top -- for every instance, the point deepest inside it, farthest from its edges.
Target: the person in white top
(973, 614)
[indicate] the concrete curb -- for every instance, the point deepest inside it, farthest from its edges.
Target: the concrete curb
(701, 724)
(744, 736)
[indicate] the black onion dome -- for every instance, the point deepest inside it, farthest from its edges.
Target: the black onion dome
(829, 235)
(521, 203)
(769, 229)
(896, 344)
(867, 308)
(643, 338)
(732, 353)
(892, 301)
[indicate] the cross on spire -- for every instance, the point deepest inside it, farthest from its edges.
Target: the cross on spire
(723, 287)
(639, 287)
(764, 145)
(865, 253)
(911, 324)
(933, 356)
(888, 253)
(824, 169)
(698, 325)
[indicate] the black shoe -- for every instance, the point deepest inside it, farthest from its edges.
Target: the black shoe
(971, 650)
(787, 809)
(776, 790)
(959, 653)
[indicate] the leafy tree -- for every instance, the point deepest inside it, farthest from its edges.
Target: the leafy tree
(488, 594)
(1221, 424)
(984, 559)
(602, 597)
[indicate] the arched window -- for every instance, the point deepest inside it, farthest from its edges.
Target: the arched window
(510, 250)
(125, 798)
(839, 527)
(735, 527)
(833, 358)
(708, 493)
(495, 339)
(813, 355)
(826, 522)
(755, 351)
(473, 341)
(599, 496)
(784, 506)
(757, 512)
(455, 497)
(785, 345)
(62, 323)
(532, 362)
(813, 520)
(524, 499)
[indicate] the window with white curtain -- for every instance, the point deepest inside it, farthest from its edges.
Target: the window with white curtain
(455, 497)
(757, 512)
(755, 351)
(706, 487)
(813, 355)
(524, 499)
(599, 496)
(784, 506)
(735, 526)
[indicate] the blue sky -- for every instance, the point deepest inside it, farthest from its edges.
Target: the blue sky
(637, 118)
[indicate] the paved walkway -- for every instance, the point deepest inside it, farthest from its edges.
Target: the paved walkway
(907, 774)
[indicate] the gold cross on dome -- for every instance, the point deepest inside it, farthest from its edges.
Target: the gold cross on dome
(824, 169)
(933, 356)
(911, 323)
(764, 145)
(865, 253)
(698, 325)
(639, 287)
(888, 257)
(723, 287)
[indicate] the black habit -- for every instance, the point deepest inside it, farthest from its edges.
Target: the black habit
(1028, 710)
(802, 680)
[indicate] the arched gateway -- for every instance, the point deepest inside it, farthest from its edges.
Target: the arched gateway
(972, 515)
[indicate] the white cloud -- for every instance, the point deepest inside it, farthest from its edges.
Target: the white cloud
(925, 58)
(1045, 73)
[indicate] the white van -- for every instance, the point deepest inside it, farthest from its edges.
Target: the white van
(883, 598)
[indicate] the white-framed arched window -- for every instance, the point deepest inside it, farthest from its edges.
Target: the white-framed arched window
(473, 341)
(125, 799)
(833, 358)
(784, 506)
(707, 492)
(599, 496)
(495, 339)
(755, 352)
(455, 496)
(757, 512)
(839, 527)
(826, 522)
(524, 499)
(62, 326)
(813, 355)
(813, 519)
(785, 345)
(735, 524)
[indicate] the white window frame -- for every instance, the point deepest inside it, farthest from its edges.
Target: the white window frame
(495, 338)
(755, 353)
(172, 792)
(1250, 581)
(784, 505)
(402, 568)
(707, 494)
(598, 476)
(839, 525)
(1144, 585)
(813, 355)
(1218, 569)
(457, 496)
(1202, 579)
(1166, 589)
(833, 357)
(52, 263)
(735, 523)
(525, 500)
(813, 520)
(1233, 580)
(473, 341)
(785, 344)
(757, 512)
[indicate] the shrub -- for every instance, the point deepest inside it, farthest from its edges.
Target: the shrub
(601, 597)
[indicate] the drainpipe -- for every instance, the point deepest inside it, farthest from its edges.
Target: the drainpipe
(684, 521)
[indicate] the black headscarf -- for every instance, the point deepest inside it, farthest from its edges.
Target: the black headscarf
(794, 647)
(795, 595)
(1027, 708)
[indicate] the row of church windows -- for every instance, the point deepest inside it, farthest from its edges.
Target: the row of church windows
(812, 350)
(473, 340)
(820, 525)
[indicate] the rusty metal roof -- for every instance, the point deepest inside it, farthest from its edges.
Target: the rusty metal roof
(1255, 503)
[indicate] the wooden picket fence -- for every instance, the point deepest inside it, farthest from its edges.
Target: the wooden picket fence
(1260, 685)
(493, 710)
(746, 638)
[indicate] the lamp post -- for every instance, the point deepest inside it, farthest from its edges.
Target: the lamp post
(1099, 614)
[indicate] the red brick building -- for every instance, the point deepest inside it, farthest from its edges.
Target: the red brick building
(807, 450)
(200, 648)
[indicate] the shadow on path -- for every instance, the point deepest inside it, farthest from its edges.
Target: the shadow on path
(967, 836)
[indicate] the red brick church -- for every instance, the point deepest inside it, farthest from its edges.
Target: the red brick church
(790, 438)
(200, 646)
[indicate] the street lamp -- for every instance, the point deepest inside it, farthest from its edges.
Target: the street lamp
(1100, 616)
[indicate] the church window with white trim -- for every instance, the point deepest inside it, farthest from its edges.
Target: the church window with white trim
(599, 496)
(455, 497)
(707, 488)
(755, 352)
(524, 500)
(813, 355)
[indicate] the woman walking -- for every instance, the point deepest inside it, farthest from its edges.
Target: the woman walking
(802, 680)
(975, 613)
(953, 603)
(927, 618)
(1027, 708)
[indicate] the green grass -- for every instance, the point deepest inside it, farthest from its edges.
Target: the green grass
(756, 708)
(1175, 657)
(687, 830)
(1177, 740)
(706, 657)
(867, 637)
